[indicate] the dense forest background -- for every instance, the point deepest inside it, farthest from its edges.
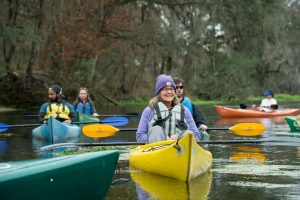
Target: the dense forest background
(223, 48)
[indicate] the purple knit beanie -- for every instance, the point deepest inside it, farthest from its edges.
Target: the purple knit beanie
(162, 81)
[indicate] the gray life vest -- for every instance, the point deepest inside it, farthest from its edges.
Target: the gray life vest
(172, 121)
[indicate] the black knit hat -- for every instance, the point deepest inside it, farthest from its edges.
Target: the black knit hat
(57, 89)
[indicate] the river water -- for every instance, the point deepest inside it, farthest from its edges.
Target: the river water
(268, 170)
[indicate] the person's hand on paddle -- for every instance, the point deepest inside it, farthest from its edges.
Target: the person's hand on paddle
(203, 127)
(68, 121)
(96, 115)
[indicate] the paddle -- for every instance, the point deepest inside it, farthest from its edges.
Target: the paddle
(112, 121)
(273, 106)
(241, 129)
(66, 145)
(128, 115)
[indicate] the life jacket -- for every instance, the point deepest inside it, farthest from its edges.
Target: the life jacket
(172, 121)
(58, 110)
(84, 108)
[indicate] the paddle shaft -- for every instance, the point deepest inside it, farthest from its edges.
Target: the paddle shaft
(53, 146)
(209, 129)
(129, 115)
(273, 106)
(30, 125)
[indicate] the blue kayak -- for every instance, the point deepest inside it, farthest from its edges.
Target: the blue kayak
(55, 131)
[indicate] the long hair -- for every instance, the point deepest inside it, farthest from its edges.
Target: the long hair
(87, 92)
(157, 99)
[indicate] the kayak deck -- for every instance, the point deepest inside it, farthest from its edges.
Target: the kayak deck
(294, 126)
(55, 131)
(83, 176)
(184, 162)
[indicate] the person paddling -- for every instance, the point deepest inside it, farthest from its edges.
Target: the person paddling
(268, 104)
(186, 101)
(84, 103)
(56, 107)
(165, 118)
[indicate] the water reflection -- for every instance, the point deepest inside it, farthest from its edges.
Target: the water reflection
(277, 178)
(153, 186)
(268, 122)
(246, 154)
(3, 146)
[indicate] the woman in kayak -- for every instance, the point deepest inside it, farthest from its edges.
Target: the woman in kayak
(165, 118)
(56, 107)
(84, 103)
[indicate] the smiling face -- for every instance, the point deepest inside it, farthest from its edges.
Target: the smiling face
(167, 94)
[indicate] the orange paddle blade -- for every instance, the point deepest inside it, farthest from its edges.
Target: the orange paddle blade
(248, 129)
(99, 130)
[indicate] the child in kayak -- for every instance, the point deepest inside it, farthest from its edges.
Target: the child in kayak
(268, 104)
(84, 103)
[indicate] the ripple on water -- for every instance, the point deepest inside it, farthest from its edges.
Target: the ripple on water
(292, 171)
(265, 185)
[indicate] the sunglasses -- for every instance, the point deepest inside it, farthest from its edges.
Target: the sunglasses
(179, 87)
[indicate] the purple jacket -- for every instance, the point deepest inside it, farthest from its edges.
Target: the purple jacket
(142, 131)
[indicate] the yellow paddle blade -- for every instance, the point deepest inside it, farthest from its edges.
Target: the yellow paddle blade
(250, 156)
(248, 129)
(99, 130)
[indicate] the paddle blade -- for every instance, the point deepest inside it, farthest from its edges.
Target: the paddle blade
(4, 127)
(248, 129)
(115, 121)
(99, 130)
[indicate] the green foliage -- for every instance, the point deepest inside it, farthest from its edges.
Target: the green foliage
(10, 33)
(205, 102)
(138, 101)
(233, 77)
(225, 50)
(82, 69)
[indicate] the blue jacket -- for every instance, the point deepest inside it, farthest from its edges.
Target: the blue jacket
(187, 103)
(87, 108)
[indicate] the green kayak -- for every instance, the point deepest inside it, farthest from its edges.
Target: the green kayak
(82, 176)
(80, 117)
(294, 126)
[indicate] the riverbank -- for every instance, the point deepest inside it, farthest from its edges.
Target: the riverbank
(145, 102)
(278, 97)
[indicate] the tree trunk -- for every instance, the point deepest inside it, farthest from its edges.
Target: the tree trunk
(31, 63)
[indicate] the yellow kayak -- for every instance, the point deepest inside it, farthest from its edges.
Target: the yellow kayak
(183, 161)
(162, 187)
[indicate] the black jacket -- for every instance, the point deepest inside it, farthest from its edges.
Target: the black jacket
(198, 116)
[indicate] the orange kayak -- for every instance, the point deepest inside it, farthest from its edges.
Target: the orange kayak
(232, 112)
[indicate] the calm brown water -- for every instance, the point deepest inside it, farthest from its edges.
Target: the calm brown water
(239, 171)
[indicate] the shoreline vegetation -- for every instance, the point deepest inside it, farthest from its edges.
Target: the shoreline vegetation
(144, 102)
(278, 97)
